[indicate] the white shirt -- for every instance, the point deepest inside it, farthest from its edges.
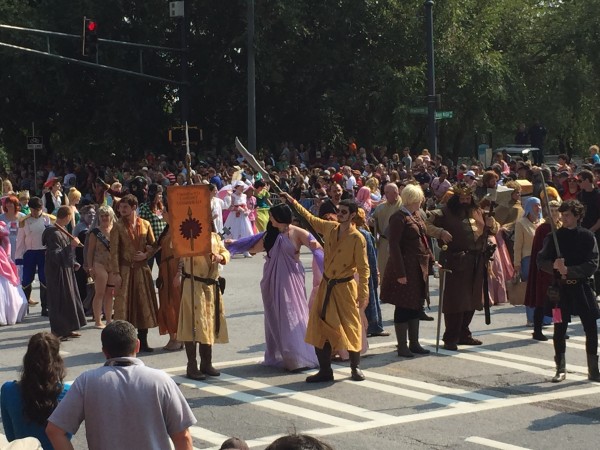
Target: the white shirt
(29, 236)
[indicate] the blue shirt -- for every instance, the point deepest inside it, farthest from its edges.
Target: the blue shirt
(16, 425)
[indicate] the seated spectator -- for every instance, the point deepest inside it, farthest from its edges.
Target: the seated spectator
(26, 404)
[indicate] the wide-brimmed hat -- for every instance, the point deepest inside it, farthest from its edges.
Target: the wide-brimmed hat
(52, 181)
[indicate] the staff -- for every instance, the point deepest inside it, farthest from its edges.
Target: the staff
(69, 235)
(257, 166)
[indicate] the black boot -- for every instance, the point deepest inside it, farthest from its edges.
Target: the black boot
(561, 368)
(192, 371)
(423, 316)
(401, 332)
(593, 373)
(357, 374)
(206, 366)
(143, 337)
(413, 337)
(43, 300)
(538, 319)
(325, 372)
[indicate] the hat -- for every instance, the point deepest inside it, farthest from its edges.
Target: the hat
(238, 183)
(51, 182)
(35, 203)
(470, 173)
(326, 173)
(23, 195)
(144, 169)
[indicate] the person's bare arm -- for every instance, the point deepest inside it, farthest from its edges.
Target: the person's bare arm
(181, 440)
(58, 438)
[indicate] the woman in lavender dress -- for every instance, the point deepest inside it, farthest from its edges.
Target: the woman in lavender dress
(283, 290)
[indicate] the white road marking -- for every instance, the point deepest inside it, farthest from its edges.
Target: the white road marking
(306, 398)
(207, 435)
(493, 444)
(431, 387)
(264, 402)
(548, 342)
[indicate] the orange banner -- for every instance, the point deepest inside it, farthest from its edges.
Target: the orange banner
(190, 219)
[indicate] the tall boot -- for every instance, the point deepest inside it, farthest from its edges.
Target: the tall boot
(413, 337)
(401, 331)
(357, 374)
(192, 371)
(538, 320)
(143, 337)
(206, 366)
(27, 292)
(561, 368)
(593, 373)
(325, 372)
(43, 300)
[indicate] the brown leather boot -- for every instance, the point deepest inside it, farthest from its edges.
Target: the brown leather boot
(206, 366)
(192, 371)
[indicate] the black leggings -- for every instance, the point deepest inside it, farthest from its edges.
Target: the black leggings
(591, 336)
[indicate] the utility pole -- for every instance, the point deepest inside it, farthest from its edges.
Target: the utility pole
(251, 81)
(431, 97)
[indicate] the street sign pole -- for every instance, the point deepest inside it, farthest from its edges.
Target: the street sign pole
(431, 98)
(34, 162)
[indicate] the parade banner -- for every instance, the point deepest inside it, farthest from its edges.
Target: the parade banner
(190, 219)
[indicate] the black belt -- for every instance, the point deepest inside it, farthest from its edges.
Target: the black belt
(217, 290)
(572, 281)
(331, 282)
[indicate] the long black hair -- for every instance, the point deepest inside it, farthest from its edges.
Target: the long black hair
(42, 377)
(282, 214)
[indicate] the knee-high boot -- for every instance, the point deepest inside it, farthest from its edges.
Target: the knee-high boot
(401, 331)
(43, 300)
(593, 373)
(325, 372)
(143, 337)
(206, 366)
(538, 320)
(192, 371)
(357, 374)
(561, 368)
(413, 337)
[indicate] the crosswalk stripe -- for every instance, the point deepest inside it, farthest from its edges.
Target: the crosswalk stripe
(548, 342)
(493, 444)
(263, 402)
(306, 398)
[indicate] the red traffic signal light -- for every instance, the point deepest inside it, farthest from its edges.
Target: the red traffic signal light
(89, 38)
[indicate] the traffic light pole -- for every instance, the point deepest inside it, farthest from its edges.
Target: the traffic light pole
(431, 97)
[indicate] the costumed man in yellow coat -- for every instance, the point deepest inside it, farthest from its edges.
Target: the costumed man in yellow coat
(334, 319)
(132, 243)
(208, 316)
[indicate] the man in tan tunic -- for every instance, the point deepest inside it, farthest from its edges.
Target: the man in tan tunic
(334, 318)
(202, 317)
(131, 244)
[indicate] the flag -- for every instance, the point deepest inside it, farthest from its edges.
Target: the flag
(190, 219)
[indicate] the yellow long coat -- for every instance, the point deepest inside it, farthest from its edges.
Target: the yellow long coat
(136, 298)
(343, 258)
(204, 303)
(169, 295)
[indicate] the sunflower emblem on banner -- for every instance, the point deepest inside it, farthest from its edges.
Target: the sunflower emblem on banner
(189, 213)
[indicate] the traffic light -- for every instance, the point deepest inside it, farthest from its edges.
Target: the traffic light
(89, 39)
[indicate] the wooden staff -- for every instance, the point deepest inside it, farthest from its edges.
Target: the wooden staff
(64, 231)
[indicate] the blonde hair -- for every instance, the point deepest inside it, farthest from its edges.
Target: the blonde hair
(372, 183)
(74, 195)
(9, 185)
(411, 194)
(360, 219)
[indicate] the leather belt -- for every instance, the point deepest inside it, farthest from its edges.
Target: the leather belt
(331, 282)
(217, 295)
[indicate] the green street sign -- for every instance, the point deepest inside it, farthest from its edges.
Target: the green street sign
(420, 110)
(440, 115)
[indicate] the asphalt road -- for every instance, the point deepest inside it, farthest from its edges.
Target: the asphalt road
(498, 395)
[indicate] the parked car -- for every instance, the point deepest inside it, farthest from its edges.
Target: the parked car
(523, 152)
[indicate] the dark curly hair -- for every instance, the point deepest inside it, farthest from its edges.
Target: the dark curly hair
(42, 377)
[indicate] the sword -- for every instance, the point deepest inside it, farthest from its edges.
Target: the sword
(443, 273)
(249, 157)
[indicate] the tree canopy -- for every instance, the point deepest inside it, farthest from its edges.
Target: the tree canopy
(326, 70)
